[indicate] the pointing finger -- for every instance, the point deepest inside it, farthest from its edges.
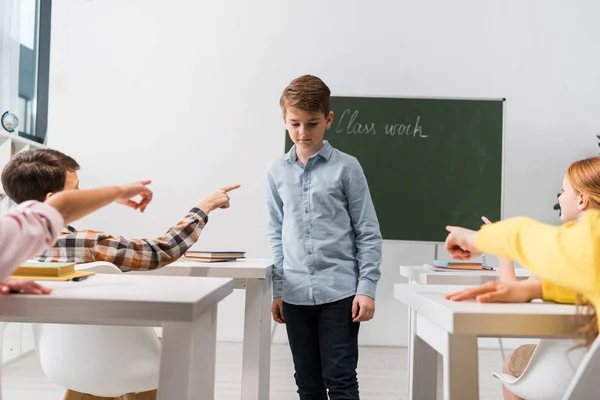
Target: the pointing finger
(230, 188)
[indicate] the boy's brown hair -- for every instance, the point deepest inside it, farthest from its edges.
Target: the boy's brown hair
(306, 93)
(31, 175)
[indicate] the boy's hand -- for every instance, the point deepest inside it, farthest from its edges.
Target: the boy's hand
(460, 243)
(277, 310)
(501, 292)
(363, 308)
(218, 199)
(133, 190)
(22, 286)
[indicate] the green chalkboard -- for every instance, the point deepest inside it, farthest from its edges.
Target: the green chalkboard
(429, 162)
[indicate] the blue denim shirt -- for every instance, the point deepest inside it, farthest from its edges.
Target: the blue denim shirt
(322, 228)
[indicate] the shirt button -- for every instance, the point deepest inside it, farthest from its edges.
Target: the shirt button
(312, 272)
(306, 189)
(306, 211)
(307, 231)
(309, 252)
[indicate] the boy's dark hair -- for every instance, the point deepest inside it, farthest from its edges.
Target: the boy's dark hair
(31, 175)
(307, 93)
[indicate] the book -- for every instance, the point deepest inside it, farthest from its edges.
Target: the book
(33, 268)
(441, 269)
(215, 254)
(459, 265)
(70, 276)
(207, 260)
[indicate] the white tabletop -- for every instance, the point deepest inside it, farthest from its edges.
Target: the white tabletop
(426, 276)
(538, 319)
(118, 299)
(238, 269)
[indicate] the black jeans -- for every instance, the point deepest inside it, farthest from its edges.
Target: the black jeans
(324, 344)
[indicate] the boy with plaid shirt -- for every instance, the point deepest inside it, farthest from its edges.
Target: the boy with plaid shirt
(39, 174)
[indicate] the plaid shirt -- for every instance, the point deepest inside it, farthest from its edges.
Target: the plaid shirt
(127, 254)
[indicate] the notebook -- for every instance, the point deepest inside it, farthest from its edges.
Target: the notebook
(35, 268)
(215, 254)
(207, 260)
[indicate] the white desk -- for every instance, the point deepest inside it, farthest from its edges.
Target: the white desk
(425, 276)
(451, 329)
(254, 275)
(185, 308)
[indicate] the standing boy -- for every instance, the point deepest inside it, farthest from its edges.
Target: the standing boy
(326, 245)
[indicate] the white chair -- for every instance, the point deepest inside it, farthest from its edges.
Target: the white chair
(552, 367)
(585, 384)
(105, 361)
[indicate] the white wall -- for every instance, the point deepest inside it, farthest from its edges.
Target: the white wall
(187, 94)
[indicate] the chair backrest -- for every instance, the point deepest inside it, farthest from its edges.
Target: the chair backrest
(551, 368)
(105, 361)
(585, 384)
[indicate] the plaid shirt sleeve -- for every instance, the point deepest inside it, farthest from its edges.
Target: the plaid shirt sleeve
(129, 254)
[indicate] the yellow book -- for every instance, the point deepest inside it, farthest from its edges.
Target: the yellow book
(34, 268)
(70, 276)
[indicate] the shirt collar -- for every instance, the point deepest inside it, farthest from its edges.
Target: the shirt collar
(324, 152)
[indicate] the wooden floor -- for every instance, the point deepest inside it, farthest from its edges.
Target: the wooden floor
(382, 375)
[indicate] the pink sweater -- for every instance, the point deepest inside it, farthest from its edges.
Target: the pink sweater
(25, 232)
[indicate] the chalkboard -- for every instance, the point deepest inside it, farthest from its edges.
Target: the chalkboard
(429, 162)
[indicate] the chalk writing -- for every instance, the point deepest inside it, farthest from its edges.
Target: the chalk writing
(350, 124)
(347, 123)
(406, 129)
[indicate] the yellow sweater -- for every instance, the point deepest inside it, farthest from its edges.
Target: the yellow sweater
(568, 255)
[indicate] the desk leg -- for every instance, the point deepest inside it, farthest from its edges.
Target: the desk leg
(424, 365)
(411, 332)
(439, 390)
(461, 368)
(256, 363)
(187, 360)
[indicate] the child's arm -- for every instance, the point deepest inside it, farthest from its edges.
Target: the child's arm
(140, 254)
(567, 255)
(274, 228)
(500, 292)
(25, 231)
(75, 204)
(366, 228)
(516, 292)
(32, 226)
(507, 267)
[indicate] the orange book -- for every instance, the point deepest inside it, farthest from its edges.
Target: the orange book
(443, 264)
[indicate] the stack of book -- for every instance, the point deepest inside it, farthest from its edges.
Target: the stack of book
(443, 265)
(213, 256)
(52, 271)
